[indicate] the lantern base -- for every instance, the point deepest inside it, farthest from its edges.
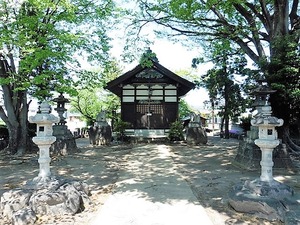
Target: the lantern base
(40, 182)
(267, 200)
(272, 189)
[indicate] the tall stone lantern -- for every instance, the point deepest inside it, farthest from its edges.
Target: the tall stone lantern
(267, 134)
(265, 197)
(267, 140)
(44, 139)
(65, 141)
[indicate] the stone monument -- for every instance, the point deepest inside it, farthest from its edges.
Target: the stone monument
(65, 142)
(195, 134)
(100, 133)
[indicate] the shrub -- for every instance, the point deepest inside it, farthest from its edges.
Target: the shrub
(176, 131)
(119, 128)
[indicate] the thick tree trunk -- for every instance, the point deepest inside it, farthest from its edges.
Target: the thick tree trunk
(15, 110)
(18, 133)
(15, 118)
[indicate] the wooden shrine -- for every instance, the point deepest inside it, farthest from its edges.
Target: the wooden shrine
(150, 98)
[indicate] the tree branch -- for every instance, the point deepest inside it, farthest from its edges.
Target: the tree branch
(251, 20)
(294, 18)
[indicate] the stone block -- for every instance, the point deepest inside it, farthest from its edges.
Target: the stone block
(196, 135)
(243, 200)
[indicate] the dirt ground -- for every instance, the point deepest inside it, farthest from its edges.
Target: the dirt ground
(208, 169)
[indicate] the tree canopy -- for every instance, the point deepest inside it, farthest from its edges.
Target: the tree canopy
(267, 32)
(40, 43)
(43, 39)
(92, 99)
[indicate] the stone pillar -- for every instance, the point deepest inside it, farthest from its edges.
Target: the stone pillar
(44, 138)
(266, 162)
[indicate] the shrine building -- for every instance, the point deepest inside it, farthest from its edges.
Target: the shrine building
(149, 98)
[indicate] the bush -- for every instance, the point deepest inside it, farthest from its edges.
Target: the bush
(176, 131)
(119, 128)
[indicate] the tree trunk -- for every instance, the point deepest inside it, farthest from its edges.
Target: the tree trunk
(222, 127)
(226, 133)
(226, 108)
(18, 138)
(16, 121)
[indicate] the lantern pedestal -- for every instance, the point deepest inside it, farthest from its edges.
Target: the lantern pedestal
(267, 147)
(44, 160)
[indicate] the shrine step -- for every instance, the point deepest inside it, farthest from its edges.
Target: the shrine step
(147, 133)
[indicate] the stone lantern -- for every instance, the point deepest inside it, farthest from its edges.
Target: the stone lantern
(267, 140)
(265, 197)
(44, 138)
(65, 141)
(61, 101)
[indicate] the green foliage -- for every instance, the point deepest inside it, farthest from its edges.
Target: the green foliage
(120, 126)
(267, 32)
(176, 131)
(283, 75)
(92, 98)
(43, 42)
(90, 102)
(44, 39)
(184, 109)
(188, 74)
(148, 58)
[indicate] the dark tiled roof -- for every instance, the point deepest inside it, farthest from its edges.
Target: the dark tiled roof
(184, 86)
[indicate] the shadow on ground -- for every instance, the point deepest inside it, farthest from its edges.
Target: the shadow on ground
(207, 170)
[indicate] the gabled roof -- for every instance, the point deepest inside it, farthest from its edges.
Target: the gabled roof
(184, 86)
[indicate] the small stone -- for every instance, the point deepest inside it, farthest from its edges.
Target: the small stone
(15, 162)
